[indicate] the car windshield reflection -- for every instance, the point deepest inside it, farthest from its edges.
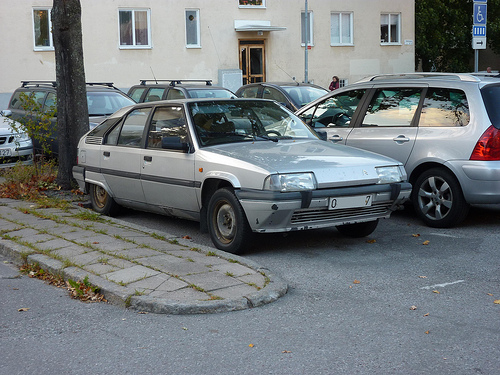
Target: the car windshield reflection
(228, 122)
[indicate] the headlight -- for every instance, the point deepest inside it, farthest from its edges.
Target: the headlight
(387, 175)
(20, 137)
(290, 182)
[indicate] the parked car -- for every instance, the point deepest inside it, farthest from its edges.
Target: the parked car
(166, 89)
(15, 145)
(292, 95)
(445, 128)
(102, 99)
(236, 165)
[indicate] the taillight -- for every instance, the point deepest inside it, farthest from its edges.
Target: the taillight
(488, 146)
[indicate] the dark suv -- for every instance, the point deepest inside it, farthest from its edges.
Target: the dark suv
(103, 99)
(166, 89)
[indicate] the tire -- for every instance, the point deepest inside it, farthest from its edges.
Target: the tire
(102, 202)
(438, 199)
(358, 230)
(227, 223)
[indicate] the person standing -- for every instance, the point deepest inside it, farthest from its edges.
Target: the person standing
(334, 84)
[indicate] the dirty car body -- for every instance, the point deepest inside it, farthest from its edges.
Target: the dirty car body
(238, 166)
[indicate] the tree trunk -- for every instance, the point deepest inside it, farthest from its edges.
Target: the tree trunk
(72, 111)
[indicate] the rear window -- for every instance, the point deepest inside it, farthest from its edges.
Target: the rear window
(491, 98)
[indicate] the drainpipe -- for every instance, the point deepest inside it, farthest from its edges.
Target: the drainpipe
(306, 25)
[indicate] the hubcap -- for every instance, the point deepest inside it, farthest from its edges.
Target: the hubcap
(225, 222)
(435, 198)
(100, 196)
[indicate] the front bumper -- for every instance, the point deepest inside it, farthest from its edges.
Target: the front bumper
(268, 211)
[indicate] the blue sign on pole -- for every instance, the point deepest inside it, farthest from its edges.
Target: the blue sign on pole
(480, 14)
(478, 30)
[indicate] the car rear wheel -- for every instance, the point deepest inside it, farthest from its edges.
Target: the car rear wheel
(358, 230)
(438, 199)
(227, 223)
(102, 202)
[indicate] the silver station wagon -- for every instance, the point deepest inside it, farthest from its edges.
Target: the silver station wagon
(238, 166)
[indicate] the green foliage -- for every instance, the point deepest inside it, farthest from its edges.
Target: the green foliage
(443, 35)
(37, 120)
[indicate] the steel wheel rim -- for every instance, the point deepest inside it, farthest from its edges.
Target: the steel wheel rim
(435, 198)
(100, 196)
(225, 222)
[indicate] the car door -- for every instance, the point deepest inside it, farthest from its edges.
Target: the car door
(335, 115)
(388, 124)
(121, 156)
(168, 175)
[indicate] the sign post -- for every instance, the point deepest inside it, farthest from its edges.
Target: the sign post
(479, 29)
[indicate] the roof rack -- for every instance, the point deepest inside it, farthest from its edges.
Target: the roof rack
(432, 75)
(174, 82)
(38, 83)
(109, 84)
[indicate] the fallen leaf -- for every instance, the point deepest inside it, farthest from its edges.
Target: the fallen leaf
(435, 291)
(356, 282)
(427, 332)
(426, 242)
(250, 345)
(286, 351)
(416, 235)
(186, 237)
(423, 277)
(23, 309)
(142, 312)
(490, 294)
(371, 241)
(413, 307)
(496, 302)
(184, 328)
(95, 243)
(426, 314)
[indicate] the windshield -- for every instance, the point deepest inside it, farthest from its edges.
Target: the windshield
(106, 103)
(218, 122)
(301, 95)
(212, 93)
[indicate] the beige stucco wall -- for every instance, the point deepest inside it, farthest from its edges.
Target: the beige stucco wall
(169, 58)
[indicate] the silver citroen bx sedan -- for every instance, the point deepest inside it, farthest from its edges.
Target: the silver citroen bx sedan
(238, 166)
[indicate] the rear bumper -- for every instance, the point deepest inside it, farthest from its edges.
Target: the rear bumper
(282, 212)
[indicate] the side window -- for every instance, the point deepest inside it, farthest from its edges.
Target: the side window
(175, 94)
(444, 107)
(50, 102)
(133, 128)
(154, 94)
(272, 93)
(392, 107)
(250, 92)
(166, 122)
(18, 100)
(335, 111)
(136, 93)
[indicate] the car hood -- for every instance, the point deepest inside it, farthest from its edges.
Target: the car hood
(333, 165)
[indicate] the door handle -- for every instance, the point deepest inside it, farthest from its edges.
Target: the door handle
(401, 139)
(336, 138)
(148, 158)
(106, 153)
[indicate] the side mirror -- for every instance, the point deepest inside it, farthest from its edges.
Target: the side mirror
(6, 113)
(322, 135)
(174, 143)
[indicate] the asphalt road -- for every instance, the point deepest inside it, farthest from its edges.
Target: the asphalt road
(407, 300)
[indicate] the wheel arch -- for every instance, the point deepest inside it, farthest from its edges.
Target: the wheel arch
(209, 187)
(426, 166)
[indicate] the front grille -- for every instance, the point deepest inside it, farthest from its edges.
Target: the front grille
(93, 140)
(305, 216)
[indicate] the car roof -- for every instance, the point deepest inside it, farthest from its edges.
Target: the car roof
(91, 86)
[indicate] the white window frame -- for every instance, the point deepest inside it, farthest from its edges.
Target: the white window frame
(389, 33)
(50, 47)
(253, 6)
(342, 42)
(198, 36)
(134, 44)
(311, 27)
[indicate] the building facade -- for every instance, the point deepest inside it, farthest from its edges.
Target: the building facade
(228, 41)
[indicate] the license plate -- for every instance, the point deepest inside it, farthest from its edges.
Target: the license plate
(350, 202)
(5, 152)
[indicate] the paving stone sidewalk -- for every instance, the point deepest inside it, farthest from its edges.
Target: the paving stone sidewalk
(133, 266)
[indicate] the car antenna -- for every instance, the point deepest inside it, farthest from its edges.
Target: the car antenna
(153, 74)
(293, 78)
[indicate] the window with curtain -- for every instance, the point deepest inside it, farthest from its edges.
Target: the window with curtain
(192, 28)
(135, 28)
(389, 28)
(310, 18)
(42, 26)
(341, 28)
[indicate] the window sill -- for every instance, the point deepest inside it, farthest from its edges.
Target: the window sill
(45, 49)
(342, 45)
(193, 46)
(135, 47)
(391, 44)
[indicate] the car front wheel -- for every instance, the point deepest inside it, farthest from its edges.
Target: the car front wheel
(358, 230)
(438, 199)
(227, 223)
(102, 202)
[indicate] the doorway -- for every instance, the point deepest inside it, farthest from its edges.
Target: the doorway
(252, 61)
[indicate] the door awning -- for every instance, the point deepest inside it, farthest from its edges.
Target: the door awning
(256, 25)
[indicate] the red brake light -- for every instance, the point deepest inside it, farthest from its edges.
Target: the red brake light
(488, 146)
